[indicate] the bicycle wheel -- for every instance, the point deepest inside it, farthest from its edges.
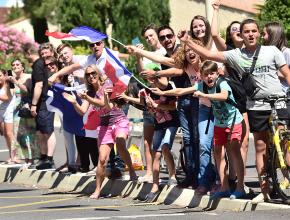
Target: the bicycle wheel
(280, 177)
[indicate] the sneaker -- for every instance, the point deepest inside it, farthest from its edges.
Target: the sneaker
(221, 194)
(285, 184)
(260, 198)
(145, 179)
(172, 182)
(237, 195)
(46, 165)
(151, 197)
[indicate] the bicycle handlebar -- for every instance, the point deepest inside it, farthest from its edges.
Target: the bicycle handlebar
(274, 98)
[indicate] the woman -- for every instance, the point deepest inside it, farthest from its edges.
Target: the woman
(25, 141)
(274, 34)
(113, 127)
(6, 115)
(233, 40)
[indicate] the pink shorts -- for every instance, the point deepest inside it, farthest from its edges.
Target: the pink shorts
(108, 134)
(221, 134)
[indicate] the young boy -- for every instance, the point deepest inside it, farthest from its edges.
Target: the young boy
(227, 128)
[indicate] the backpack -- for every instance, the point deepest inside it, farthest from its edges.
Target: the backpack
(229, 100)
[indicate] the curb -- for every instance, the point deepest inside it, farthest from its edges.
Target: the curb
(170, 195)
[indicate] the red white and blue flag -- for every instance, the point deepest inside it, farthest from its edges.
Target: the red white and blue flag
(79, 33)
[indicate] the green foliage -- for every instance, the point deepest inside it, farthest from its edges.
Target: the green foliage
(278, 10)
(15, 13)
(6, 59)
(81, 50)
(129, 17)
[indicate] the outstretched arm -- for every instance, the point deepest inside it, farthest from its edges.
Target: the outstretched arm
(218, 40)
(202, 51)
(173, 92)
(151, 56)
(64, 71)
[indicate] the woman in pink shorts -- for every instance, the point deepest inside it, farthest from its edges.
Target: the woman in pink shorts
(114, 124)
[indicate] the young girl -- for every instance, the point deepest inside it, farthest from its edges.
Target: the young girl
(165, 126)
(114, 125)
(227, 129)
(6, 114)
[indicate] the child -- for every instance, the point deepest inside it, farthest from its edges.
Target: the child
(227, 128)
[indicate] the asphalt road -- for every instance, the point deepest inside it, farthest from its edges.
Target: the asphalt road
(18, 202)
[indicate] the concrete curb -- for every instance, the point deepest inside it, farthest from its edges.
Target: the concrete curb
(85, 184)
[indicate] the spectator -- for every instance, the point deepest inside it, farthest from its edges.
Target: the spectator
(270, 60)
(44, 118)
(6, 115)
(25, 141)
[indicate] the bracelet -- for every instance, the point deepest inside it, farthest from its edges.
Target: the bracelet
(33, 105)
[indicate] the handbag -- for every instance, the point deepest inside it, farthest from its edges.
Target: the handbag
(248, 80)
(24, 109)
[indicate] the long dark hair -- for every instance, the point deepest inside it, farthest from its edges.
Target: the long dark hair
(277, 36)
(229, 40)
(207, 38)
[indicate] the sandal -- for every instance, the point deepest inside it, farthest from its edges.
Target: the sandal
(150, 197)
(285, 184)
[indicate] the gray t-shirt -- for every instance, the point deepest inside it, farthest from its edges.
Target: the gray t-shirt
(270, 59)
(286, 53)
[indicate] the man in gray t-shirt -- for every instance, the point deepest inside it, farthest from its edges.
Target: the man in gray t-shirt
(270, 60)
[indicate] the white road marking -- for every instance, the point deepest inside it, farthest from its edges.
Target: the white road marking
(125, 217)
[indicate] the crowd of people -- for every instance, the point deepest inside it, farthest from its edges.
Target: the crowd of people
(187, 90)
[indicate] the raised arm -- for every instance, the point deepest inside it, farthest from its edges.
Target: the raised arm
(218, 40)
(151, 56)
(64, 71)
(202, 51)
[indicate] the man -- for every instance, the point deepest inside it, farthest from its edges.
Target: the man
(270, 60)
(98, 57)
(44, 118)
(187, 105)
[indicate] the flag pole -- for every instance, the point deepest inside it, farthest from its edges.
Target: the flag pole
(117, 41)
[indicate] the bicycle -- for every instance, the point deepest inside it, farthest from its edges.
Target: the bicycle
(279, 147)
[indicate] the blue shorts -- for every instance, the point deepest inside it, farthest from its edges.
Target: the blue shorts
(148, 119)
(44, 121)
(162, 137)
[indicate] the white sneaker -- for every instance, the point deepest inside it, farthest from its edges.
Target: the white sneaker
(260, 198)
(145, 179)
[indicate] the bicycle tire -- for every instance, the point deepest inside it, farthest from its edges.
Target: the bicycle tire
(277, 177)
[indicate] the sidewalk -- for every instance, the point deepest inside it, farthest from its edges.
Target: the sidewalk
(76, 183)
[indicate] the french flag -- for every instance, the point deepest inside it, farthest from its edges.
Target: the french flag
(72, 121)
(117, 73)
(78, 33)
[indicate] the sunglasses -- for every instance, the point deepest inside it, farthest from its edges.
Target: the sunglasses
(50, 64)
(163, 37)
(96, 44)
(16, 64)
(93, 74)
(235, 29)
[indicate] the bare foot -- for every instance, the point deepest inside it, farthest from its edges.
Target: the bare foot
(95, 195)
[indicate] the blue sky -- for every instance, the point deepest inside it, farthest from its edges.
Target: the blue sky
(9, 3)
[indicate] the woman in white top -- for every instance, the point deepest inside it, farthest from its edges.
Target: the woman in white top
(6, 113)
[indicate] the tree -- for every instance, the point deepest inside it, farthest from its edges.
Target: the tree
(129, 17)
(278, 10)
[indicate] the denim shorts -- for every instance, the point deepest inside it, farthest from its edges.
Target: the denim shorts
(44, 121)
(148, 119)
(164, 136)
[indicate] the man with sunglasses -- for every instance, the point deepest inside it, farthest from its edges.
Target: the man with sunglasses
(187, 105)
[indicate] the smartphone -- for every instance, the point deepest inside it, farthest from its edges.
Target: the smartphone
(136, 41)
(11, 84)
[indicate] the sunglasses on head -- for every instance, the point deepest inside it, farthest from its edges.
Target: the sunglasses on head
(96, 43)
(94, 73)
(163, 37)
(235, 29)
